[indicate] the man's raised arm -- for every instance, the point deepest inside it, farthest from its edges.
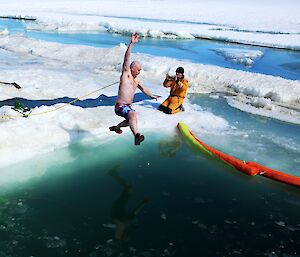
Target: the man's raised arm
(134, 39)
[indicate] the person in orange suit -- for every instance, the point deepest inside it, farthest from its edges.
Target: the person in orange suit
(178, 87)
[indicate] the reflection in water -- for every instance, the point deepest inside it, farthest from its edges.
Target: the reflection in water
(121, 218)
(169, 147)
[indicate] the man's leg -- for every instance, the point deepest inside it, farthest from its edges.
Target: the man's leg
(138, 138)
(132, 116)
(117, 128)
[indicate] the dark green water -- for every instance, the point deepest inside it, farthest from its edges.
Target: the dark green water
(187, 205)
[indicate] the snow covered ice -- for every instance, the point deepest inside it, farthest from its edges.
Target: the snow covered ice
(267, 22)
(51, 70)
(244, 57)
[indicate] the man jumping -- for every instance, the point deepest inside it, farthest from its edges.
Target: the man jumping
(128, 85)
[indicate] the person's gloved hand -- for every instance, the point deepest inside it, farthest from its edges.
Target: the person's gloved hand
(168, 77)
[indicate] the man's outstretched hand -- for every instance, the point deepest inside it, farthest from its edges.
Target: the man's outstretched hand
(155, 97)
(135, 38)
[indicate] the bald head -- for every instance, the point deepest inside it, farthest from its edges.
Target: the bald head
(135, 64)
(135, 68)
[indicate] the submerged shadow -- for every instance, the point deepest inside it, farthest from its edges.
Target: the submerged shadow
(101, 100)
(170, 146)
(119, 215)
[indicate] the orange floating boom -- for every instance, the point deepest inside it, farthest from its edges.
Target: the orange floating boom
(276, 174)
(249, 168)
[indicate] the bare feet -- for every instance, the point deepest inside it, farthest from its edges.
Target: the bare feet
(138, 139)
(116, 129)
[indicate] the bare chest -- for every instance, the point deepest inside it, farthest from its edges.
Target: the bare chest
(129, 82)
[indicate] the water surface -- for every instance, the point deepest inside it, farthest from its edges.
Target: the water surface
(185, 206)
(276, 62)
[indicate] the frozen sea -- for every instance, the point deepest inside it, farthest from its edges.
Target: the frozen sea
(69, 187)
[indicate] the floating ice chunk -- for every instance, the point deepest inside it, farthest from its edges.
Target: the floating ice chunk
(21, 208)
(265, 108)
(146, 254)
(113, 226)
(170, 250)
(165, 193)
(240, 56)
(109, 241)
(199, 200)
(214, 96)
(280, 223)
(4, 32)
(132, 249)
(202, 226)
(163, 216)
(53, 241)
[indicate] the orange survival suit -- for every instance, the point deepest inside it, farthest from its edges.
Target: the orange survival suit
(173, 103)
